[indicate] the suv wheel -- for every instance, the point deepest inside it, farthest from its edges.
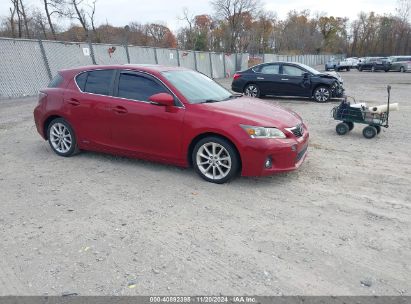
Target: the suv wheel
(215, 160)
(322, 94)
(61, 137)
(252, 90)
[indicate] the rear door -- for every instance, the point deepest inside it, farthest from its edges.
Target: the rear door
(293, 81)
(86, 104)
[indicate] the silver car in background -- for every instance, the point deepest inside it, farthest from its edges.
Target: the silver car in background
(400, 63)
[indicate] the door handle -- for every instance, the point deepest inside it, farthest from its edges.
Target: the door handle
(74, 102)
(284, 79)
(120, 110)
(260, 78)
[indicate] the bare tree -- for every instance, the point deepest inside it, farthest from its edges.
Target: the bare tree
(234, 12)
(91, 16)
(11, 21)
(25, 18)
(53, 7)
(79, 14)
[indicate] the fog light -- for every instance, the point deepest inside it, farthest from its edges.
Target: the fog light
(268, 163)
(294, 148)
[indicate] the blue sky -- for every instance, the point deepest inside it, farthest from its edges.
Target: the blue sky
(121, 12)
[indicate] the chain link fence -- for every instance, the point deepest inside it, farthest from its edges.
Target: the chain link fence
(28, 65)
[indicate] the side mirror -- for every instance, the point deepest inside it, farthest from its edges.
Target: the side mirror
(162, 99)
(306, 75)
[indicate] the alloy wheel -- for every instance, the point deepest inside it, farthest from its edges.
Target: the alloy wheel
(251, 90)
(60, 138)
(322, 94)
(213, 161)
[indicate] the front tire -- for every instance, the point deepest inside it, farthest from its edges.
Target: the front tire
(215, 159)
(61, 137)
(369, 132)
(322, 94)
(252, 90)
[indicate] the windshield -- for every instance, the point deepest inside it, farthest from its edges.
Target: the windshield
(309, 69)
(196, 87)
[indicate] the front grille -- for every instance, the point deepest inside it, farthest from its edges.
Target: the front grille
(298, 130)
(301, 154)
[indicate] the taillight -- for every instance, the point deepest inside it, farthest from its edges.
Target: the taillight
(236, 76)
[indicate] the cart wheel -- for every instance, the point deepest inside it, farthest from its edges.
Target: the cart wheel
(378, 128)
(350, 125)
(342, 128)
(369, 132)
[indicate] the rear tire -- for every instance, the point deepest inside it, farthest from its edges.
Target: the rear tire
(61, 137)
(215, 159)
(350, 125)
(369, 132)
(252, 90)
(378, 128)
(342, 128)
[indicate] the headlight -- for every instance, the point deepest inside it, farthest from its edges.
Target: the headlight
(262, 132)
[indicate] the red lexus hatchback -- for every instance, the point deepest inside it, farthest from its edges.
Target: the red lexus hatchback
(171, 115)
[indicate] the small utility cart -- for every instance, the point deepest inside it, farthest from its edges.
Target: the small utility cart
(349, 113)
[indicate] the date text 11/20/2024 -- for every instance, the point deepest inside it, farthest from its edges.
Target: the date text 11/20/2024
(202, 299)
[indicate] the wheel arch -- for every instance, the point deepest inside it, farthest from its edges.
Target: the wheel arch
(199, 137)
(317, 85)
(47, 123)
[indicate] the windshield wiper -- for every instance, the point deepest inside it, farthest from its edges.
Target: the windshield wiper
(210, 101)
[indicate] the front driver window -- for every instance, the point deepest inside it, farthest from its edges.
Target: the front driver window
(292, 70)
(136, 87)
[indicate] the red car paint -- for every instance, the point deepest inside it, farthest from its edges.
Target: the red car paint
(166, 134)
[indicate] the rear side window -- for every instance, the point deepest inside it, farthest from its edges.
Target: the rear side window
(81, 81)
(56, 81)
(136, 87)
(98, 82)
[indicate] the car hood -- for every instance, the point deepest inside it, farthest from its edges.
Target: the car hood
(256, 112)
(334, 75)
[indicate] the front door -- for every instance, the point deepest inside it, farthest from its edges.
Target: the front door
(294, 81)
(139, 126)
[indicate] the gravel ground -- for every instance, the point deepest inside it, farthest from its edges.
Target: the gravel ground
(96, 224)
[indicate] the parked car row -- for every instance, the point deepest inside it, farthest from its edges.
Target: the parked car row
(392, 63)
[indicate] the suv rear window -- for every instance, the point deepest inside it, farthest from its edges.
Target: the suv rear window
(96, 82)
(56, 81)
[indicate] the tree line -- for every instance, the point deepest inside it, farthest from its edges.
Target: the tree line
(232, 26)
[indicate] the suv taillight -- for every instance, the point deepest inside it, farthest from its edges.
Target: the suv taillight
(236, 76)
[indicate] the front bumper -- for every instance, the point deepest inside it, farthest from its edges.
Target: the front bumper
(337, 91)
(286, 155)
